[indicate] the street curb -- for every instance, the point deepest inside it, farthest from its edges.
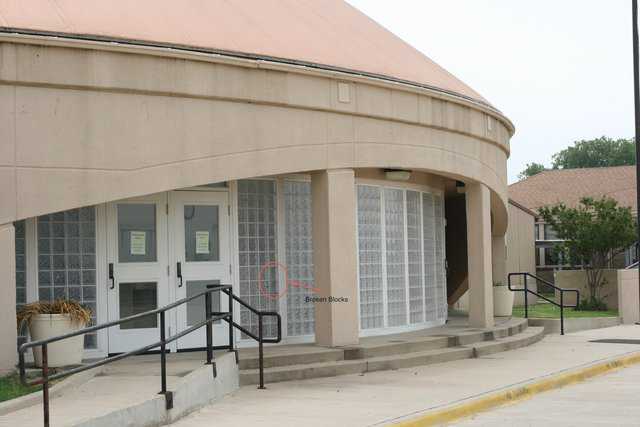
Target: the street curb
(520, 392)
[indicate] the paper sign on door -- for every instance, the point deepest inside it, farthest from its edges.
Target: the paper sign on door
(138, 242)
(202, 242)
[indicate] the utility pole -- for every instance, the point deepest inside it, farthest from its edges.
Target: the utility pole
(636, 94)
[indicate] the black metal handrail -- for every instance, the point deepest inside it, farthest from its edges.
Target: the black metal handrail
(210, 317)
(259, 338)
(527, 291)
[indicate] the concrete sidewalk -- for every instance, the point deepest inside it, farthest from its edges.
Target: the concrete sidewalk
(392, 396)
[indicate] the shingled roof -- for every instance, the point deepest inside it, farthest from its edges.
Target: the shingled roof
(326, 34)
(571, 185)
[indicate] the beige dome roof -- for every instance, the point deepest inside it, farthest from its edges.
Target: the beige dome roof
(324, 33)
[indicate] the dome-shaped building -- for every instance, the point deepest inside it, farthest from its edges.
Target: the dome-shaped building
(296, 150)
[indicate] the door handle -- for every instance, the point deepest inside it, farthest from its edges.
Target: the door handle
(113, 280)
(179, 272)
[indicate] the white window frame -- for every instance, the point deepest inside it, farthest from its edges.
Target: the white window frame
(31, 240)
(435, 192)
(280, 254)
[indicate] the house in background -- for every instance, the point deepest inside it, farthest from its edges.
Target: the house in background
(569, 186)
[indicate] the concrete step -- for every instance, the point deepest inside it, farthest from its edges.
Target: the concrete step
(400, 361)
(472, 337)
(304, 371)
(532, 335)
(398, 346)
(296, 355)
(402, 343)
(396, 360)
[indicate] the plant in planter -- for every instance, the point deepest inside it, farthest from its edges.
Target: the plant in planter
(49, 319)
(502, 299)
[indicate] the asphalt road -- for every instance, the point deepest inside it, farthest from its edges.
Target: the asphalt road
(609, 400)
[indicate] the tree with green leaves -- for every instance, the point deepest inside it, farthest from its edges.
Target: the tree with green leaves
(593, 233)
(530, 170)
(596, 153)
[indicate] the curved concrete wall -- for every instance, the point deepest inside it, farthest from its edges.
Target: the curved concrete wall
(83, 123)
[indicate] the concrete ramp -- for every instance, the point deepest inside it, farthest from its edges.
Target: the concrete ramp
(126, 393)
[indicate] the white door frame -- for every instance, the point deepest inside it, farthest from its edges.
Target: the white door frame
(127, 272)
(220, 270)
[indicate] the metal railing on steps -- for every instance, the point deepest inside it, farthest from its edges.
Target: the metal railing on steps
(528, 291)
(209, 319)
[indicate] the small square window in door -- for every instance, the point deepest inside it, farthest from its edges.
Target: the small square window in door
(137, 298)
(201, 241)
(195, 307)
(137, 232)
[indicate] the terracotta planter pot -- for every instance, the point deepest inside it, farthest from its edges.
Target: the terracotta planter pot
(62, 353)
(502, 301)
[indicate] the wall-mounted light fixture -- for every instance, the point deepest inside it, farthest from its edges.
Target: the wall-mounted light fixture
(460, 187)
(397, 174)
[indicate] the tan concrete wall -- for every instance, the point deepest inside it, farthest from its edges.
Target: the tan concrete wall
(8, 335)
(112, 125)
(628, 296)
(576, 279)
(521, 255)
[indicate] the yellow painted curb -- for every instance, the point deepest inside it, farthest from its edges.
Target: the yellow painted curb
(467, 409)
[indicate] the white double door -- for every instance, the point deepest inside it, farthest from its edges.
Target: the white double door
(163, 248)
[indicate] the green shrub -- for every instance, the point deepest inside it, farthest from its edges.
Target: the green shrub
(592, 304)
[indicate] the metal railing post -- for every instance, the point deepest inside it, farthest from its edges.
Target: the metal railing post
(230, 320)
(45, 384)
(561, 313)
(260, 353)
(21, 364)
(209, 327)
(526, 300)
(163, 356)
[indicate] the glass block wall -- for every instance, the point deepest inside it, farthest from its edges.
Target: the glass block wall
(401, 257)
(370, 257)
(257, 246)
(395, 253)
(429, 250)
(21, 270)
(414, 255)
(299, 257)
(67, 259)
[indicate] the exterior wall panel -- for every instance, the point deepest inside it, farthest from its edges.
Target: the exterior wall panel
(106, 119)
(520, 246)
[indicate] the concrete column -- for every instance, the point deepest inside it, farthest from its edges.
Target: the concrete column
(479, 255)
(499, 259)
(628, 295)
(334, 257)
(8, 334)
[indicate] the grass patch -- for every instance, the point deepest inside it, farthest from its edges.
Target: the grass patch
(11, 387)
(552, 312)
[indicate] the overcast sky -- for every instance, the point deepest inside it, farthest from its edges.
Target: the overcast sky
(561, 70)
